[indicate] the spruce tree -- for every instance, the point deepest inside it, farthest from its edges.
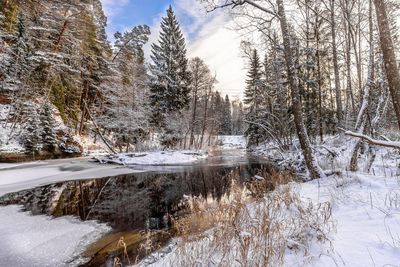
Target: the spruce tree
(18, 68)
(32, 132)
(226, 123)
(47, 124)
(253, 99)
(169, 86)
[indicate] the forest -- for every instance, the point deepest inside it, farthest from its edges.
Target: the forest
(57, 64)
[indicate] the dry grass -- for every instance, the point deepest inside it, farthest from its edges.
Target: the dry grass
(245, 229)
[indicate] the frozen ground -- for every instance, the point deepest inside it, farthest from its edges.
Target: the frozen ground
(16, 177)
(153, 158)
(38, 241)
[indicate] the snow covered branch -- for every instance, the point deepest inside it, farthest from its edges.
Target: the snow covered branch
(391, 144)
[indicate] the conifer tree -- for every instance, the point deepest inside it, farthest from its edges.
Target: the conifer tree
(17, 67)
(47, 124)
(169, 72)
(253, 99)
(226, 120)
(32, 132)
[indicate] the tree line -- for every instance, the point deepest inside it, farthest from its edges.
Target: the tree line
(330, 67)
(56, 60)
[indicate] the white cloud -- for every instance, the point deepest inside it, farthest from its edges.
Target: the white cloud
(216, 44)
(113, 7)
(220, 48)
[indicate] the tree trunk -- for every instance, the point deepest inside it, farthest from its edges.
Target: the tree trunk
(310, 161)
(206, 113)
(83, 115)
(362, 114)
(193, 114)
(321, 132)
(339, 109)
(389, 56)
(372, 141)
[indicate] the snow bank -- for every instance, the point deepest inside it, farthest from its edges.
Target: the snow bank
(367, 211)
(28, 240)
(365, 208)
(153, 158)
(232, 141)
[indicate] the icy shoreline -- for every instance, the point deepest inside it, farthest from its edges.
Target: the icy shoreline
(41, 240)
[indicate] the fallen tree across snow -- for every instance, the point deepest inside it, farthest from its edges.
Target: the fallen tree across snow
(370, 140)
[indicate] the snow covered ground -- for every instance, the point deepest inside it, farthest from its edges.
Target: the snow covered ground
(365, 209)
(153, 158)
(6, 144)
(38, 241)
(16, 177)
(232, 141)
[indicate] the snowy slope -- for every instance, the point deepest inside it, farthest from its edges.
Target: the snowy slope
(7, 144)
(39, 241)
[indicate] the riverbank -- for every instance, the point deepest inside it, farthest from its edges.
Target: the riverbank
(28, 240)
(125, 202)
(350, 219)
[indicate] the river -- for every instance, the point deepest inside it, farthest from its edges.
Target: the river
(132, 203)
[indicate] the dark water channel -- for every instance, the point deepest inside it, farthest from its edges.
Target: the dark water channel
(135, 202)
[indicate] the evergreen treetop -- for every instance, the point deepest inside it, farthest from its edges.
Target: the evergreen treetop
(169, 70)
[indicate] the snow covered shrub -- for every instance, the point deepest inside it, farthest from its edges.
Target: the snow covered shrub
(240, 232)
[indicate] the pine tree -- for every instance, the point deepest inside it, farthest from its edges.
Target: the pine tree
(32, 132)
(125, 111)
(47, 124)
(17, 68)
(169, 74)
(253, 99)
(226, 119)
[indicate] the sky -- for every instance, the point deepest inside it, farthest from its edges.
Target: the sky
(208, 36)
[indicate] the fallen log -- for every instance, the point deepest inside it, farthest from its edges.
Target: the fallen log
(369, 140)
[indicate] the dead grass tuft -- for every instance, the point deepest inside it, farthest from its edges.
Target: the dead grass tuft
(249, 227)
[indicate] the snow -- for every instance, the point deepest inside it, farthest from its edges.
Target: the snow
(16, 177)
(154, 158)
(28, 240)
(232, 141)
(392, 144)
(6, 144)
(365, 210)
